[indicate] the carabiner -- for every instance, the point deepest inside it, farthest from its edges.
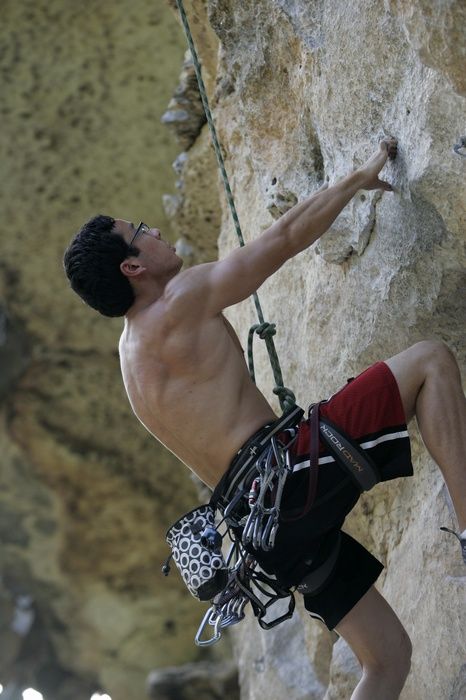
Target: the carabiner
(269, 533)
(208, 620)
(258, 529)
(249, 527)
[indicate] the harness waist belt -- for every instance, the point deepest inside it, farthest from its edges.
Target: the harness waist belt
(250, 453)
(349, 455)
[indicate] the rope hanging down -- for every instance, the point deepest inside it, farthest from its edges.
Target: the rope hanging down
(263, 329)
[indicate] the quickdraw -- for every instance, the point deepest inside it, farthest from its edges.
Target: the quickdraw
(228, 608)
(265, 496)
(259, 530)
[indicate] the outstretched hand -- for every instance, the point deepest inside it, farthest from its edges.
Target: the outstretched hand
(388, 148)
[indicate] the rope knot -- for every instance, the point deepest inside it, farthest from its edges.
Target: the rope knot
(286, 396)
(265, 330)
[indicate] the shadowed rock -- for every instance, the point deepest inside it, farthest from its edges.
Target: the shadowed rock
(201, 681)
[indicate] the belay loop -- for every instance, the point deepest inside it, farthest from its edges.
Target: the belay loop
(286, 396)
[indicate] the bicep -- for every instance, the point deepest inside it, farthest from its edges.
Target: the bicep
(243, 271)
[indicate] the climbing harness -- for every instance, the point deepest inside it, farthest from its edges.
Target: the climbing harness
(250, 453)
(249, 498)
(265, 330)
(359, 466)
(196, 541)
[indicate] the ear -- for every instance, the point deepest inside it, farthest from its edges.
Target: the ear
(130, 268)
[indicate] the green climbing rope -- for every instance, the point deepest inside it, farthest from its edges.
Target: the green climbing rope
(263, 329)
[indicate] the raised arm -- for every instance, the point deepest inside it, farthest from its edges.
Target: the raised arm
(215, 286)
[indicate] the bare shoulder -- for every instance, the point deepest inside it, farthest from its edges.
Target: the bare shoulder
(181, 292)
(183, 325)
(186, 278)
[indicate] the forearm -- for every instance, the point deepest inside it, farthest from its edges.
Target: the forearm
(215, 286)
(308, 220)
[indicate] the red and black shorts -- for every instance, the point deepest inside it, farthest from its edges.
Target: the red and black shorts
(369, 410)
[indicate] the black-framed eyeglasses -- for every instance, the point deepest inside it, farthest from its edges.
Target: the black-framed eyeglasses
(142, 228)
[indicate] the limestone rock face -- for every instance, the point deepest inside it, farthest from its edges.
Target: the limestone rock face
(292, 660)
(185, 113)
(199, 681)
(303, 93)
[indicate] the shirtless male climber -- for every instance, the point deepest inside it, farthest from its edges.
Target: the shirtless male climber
(188, 384)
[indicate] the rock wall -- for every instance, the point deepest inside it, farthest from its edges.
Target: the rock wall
(302, 94)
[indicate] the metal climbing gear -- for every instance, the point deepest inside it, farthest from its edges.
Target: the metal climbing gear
(195, 540)
(249, 497)
(285, 395)
(229, 487)
(228, 606)
(265, 496)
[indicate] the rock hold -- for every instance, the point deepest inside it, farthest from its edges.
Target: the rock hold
(279, 200)
(185, 114)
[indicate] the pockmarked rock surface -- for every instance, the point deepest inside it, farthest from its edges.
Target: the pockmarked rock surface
(303, 93)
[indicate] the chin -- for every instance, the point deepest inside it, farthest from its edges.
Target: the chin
(178, 265)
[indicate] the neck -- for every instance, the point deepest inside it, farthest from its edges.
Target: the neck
(141, 302)
(146, 294)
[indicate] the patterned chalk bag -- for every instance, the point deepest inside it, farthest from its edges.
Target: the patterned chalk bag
(196, 548)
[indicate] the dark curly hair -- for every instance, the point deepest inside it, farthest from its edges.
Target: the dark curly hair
(92, 264)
